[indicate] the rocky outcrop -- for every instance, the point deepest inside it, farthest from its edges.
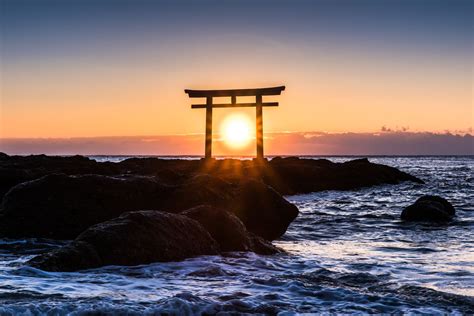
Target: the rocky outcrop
(17, 169)
(228, 230)
(263, 211)
(42, 203)
(429, 208)
(295, 175)
(142, 237)
(286, 175)
(134, 238)
(59, 206)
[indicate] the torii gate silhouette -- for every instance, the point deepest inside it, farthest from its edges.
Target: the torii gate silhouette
(234, 93)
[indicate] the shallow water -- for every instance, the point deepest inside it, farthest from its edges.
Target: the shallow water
(347, 252)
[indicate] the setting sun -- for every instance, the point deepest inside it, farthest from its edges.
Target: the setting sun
(236, 130)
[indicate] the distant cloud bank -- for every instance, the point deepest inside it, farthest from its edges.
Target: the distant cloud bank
(386, 142)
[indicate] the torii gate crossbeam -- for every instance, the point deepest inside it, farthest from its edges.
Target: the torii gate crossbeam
(233, 94)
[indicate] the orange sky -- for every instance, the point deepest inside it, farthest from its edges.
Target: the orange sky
(66, 100)
(123, 72)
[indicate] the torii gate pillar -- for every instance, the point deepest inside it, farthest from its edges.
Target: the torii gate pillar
(234, 93)
(208, 149)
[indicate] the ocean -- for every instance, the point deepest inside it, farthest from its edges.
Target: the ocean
(347, 252)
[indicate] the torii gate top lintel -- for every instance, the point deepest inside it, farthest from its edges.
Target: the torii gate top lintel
(234, 93)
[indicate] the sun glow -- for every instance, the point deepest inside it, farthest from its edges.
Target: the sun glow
(236, 130)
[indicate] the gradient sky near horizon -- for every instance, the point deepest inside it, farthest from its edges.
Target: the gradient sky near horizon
(118, 68)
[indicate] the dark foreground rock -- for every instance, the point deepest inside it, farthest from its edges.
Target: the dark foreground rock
(76, 197)
(87, 192)
(17, 169)
(263, 211)
(429, 208)
(59, 206)
(142, 237)
(134, 238)
(228, 231)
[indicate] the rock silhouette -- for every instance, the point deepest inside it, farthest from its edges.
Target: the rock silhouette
(59, 206)
(131, 239)
(429, 208)
(227, 205)
(229, 232)
(286, 175)
(262, 210)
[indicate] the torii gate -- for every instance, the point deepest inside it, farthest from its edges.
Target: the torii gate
(234, 93)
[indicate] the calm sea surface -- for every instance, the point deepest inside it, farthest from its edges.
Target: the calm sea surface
(347, 252)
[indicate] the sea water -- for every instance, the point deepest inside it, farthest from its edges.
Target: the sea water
(347, 252)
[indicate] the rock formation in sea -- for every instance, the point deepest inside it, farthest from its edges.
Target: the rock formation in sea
(429, 208)
(229, 232)
(133, 238)
(238, 204)
(60, 206)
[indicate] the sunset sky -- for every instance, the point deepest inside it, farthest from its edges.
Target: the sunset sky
(118, 68)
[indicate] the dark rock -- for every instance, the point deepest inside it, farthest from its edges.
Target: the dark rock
(199, 190)
(263, 211)
(447, 207)
(61, 207)
(9, 177)
(228, 230)
(294, 175)
(287, 175)
(262, 246)
(429, 208)
(18, 169)
(134, 238)
(4, 156)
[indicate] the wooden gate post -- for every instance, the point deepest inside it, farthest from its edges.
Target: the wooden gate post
(259, 130)
(208, 127)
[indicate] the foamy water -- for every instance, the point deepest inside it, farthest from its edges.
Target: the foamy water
(347, 252)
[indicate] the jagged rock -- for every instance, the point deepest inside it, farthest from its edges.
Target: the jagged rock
(294, 175)
(228, 230)
(134, 238)
(61, 207)
(10, 177)
(263, 211)
(17, 169)
(286, 175)
(429, 208)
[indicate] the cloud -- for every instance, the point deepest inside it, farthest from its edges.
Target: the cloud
(386, 142)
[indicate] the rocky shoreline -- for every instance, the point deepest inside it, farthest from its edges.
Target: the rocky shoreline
(144, 210)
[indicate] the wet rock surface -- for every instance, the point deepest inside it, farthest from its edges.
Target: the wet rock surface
(228, 231)
(59, 206)
(263, 211)
(238, 204)
(131, 239)
(286, 175)
(429, 208)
